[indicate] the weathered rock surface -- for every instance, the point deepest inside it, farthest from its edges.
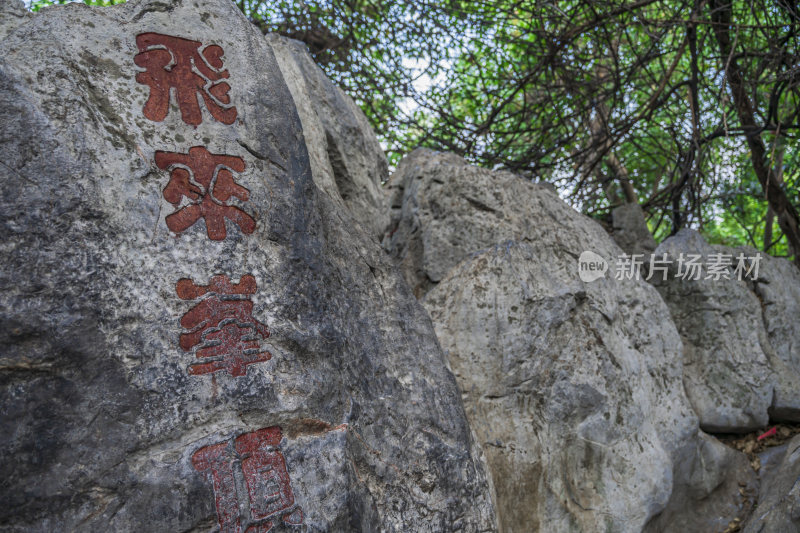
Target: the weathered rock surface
(778, 508)
(124, 389)
(778, 290)
(630, 231)
(726, 373)
(573, 389)
(12, 14)
(733, 376)
(436, 221)
(559, 397)
(347, 162)
(713, 486)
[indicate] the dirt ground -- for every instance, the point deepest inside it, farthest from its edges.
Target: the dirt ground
(749, 443)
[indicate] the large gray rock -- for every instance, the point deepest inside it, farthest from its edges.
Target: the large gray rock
(778, 290)
(347, 162)
(436, 221)
(778, 508)
(630, 231)
(573, 389)
(733, 376)
(726, 373)
(713, 486)
(139, 386)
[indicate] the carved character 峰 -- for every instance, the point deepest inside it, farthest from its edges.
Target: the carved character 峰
(221, 326)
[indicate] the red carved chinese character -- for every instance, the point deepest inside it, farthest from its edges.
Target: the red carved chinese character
(205, 179)
(222, 326)
(269, 489)
(172, 62)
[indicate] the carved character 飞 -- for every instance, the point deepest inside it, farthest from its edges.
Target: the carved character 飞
(180, 64)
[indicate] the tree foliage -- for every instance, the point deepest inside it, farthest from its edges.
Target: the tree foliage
(612, 100)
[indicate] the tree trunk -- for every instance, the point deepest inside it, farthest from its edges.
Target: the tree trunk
(721, 13)
(622, 175)
(601, 147)
(770, 220)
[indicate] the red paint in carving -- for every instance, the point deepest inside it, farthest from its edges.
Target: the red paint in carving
(173, 62)
(265, 472)
(222, 326)
(206, 181)
(269, 490)
(217, 460)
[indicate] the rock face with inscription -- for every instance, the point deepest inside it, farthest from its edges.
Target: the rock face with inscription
(573, 389)
(347, 162)
(737, 374)
(195, 338)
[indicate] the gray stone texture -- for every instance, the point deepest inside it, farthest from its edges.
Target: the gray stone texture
(778, 508)
(99, 416)
(574, 389)
(778, 291)
(630, 231)
(12, 14)
(347, 162)
(713, 486)
(734, 376)
(436, 220)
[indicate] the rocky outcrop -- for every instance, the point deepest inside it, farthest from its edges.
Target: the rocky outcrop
(630, 231)
(436, 221)
(714, 487)
(566, 408)
(778, 291)
(573, 389)
(193, 336)
(726, 374)
(347, 162)
(778, 508)
(733, 375)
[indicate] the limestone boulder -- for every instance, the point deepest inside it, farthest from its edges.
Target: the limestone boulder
(733, 375)
(577, 416)
(630, 231)
(437, 220)
(347, 161)
(777, 288)
(573, 388)
(194, 336)
(778, 508)
(714, 486)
